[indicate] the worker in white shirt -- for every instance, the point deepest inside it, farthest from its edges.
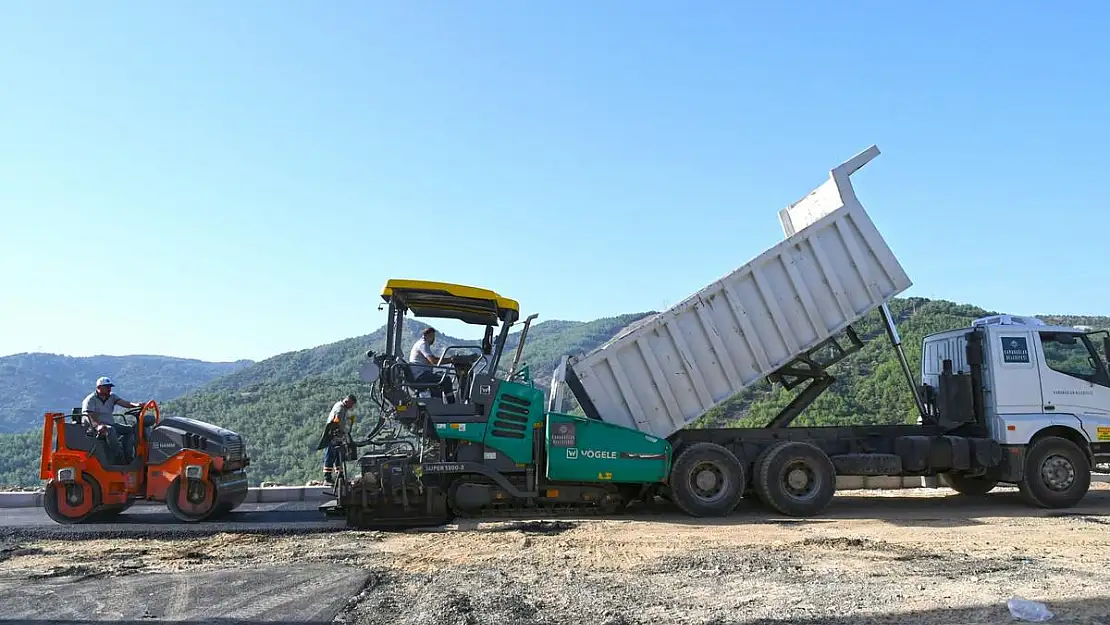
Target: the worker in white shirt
(422, 359)
(97, 412)
(336, 432)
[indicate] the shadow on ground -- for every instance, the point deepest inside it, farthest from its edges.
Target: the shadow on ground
(953, 510)
(911, 511)
(936, 511)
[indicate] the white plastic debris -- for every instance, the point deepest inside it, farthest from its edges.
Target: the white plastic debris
(1027, 610)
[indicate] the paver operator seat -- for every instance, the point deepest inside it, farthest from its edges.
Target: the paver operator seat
(471, 366)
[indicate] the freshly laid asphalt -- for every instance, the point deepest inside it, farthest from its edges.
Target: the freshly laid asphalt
(307, 593)
(304, 517)
(155, 521)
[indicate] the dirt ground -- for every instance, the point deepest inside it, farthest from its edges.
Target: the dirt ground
(926, 556)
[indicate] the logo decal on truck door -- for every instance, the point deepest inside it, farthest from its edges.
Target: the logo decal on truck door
(563, 435)
(1015, 349)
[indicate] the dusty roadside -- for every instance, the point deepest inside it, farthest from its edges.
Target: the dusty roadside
(930, 559)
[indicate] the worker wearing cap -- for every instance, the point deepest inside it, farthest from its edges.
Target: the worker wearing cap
(336, 431)
(97, 413)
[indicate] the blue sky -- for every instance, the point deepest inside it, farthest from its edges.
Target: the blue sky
(202, 181)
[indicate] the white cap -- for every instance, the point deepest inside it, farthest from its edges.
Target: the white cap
(103, 381)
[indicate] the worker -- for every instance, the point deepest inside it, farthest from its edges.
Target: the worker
(97, 414)
(421, 355)
(336, 433)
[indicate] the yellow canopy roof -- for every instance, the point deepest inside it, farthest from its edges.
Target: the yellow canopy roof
(450, 301)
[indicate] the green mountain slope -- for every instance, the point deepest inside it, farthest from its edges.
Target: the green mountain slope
(53, 382)
(546, 342)
(279, 404)
(870, 386)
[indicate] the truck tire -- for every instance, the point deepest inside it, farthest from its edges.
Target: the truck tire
(1057, 474)
(971, 486)
(796, 479)
(707, 480)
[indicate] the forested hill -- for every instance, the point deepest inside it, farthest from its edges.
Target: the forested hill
(279, 404)
(39, 382)
(546, 342)
(870, 386)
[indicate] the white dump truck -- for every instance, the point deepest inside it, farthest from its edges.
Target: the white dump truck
(1007, 400)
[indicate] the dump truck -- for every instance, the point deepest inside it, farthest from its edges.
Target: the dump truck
(1005, 400)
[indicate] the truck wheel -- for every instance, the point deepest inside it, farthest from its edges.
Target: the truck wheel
(796, 479)
(707, 480)
(1057, 474)
(972, 486)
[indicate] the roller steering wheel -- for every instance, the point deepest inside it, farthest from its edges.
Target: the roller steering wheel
(134, 414)
(136, 411)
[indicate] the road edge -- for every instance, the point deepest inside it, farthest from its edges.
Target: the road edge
(280, 494)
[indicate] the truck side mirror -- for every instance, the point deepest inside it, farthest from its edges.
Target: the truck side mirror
(1106, 348)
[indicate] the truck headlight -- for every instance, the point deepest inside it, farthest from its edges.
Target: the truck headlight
(66, 475)
(193, 471)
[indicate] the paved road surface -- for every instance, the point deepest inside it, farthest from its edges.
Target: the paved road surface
(921, 505)
(151, 520)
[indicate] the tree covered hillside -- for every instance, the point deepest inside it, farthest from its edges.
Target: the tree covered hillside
(546, 342)
(870, 386)
(279, 404)
(45, 382)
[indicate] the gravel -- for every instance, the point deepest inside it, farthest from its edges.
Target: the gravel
(908, 559)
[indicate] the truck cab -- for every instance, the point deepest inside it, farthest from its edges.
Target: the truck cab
(1030, 381)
